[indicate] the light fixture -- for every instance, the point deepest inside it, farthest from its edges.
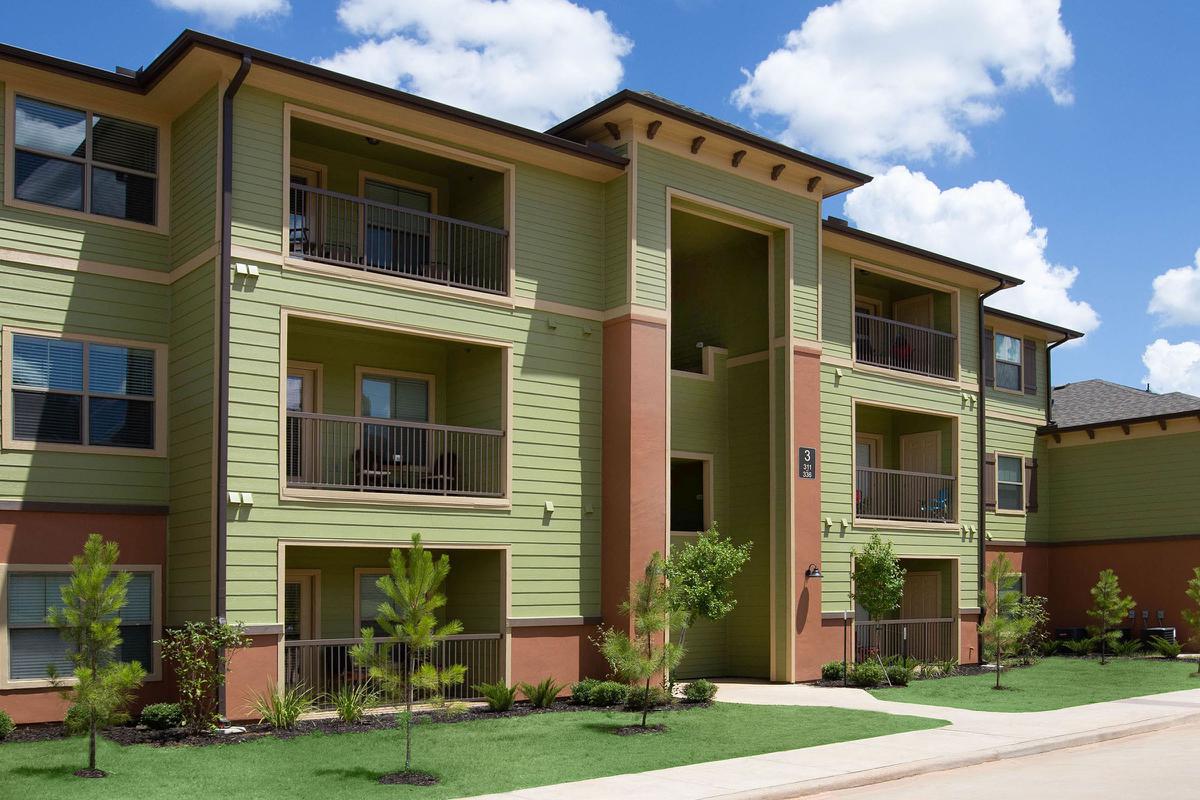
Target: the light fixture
(371, 140)
(813, 571)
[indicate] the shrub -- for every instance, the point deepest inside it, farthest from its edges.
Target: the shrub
(1079, 647)
(610, 693)
(199, 653)
(350, 703)
(1049, 647)
(700, 691)
(1126, 648)
(1165, 647)
(639, 699)
(1032, 645)
(499, 696)
(283, 709)
(160, 716)
(900, 673)
(867, 674)
(541, 695)
(581, 691)
(6, 725)
(832, 671)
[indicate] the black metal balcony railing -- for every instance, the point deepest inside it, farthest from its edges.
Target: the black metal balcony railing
(354, 232)
(325, 451)
(923, 639)
(901, 346)
(906, 496)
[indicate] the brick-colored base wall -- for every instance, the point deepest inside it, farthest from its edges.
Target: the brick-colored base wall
(252, 672)
(968, 639)
(563, 652)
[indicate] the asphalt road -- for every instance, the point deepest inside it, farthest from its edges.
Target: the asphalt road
(1162, 764)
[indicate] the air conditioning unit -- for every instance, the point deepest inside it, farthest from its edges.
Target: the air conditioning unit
(1166, 633)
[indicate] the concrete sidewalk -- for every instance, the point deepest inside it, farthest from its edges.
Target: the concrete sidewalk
(973, 737)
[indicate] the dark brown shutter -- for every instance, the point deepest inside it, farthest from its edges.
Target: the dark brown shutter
(989, 358)
(1030, 365)
(989, 481)
(1031, 489)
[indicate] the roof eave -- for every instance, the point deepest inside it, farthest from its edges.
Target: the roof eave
(1046, 430)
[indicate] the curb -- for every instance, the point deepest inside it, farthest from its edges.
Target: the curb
(852, 780)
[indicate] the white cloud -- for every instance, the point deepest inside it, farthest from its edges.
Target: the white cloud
(227, 13)
(987, 224)
(532, 62)
(879, 81)
(1172, 367)
(1176, 298)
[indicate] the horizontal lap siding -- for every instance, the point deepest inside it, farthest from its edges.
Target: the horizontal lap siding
(1122, 489)
(68, 237)
(1027, 405)
(559, 238)
(89, 305)
(1021, 439)
(837, 480)
(556, 446)
(658, 171)
(258, 170)
(194, 179)
(616, 242)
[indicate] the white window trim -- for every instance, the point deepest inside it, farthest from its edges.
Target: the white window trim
(162, 188)
(706, 462)
(9, 442)
(1020, 364)
(1024, 488)
(153, 670)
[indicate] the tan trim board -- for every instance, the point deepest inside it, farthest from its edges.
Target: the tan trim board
(26, 258)
(1010, 417)
(551, 307)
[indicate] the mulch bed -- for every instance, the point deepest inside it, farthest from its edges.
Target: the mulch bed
(90, 773)
(635, 730)
(410, 777)
(176, 737)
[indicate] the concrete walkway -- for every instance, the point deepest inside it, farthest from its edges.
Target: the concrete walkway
(973, 737)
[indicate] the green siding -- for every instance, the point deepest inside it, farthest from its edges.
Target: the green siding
(1027, 405)
(258, 170)
(1019, 438)
(616, 242)
(71, 237)
(89, 305)
(1122, 489)
(194, 136)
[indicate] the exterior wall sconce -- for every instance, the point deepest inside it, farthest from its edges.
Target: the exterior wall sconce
(813, 571)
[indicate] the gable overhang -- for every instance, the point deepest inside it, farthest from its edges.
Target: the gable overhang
(888, 252)
(1028, 326)
(632, 116)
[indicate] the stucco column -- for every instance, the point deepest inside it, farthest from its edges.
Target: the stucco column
(634, 459)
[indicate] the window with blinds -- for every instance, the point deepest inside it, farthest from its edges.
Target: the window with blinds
(1008, 362)
(84, 161)
(33, 644)
(67, 391)
(369, 598)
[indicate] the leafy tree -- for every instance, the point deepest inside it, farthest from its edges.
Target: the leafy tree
(199, 652)
(637, 659)
(700, 576)
(1109, 610)
(1003, 628)
(878, 578)
(88, 621)
(1192, 615)
(408, 615)
(1035, 642)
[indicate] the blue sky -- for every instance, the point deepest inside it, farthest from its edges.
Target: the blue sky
(1108, 172)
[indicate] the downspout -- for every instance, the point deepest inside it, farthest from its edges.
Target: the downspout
(981, 451)
(1049, 382)
(225, 268)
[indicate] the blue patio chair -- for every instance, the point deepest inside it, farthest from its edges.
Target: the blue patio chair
(937, 507)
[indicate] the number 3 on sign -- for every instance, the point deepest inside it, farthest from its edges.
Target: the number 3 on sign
(808, 463)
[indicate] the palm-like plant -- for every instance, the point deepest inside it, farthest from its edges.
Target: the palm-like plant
(408, 615)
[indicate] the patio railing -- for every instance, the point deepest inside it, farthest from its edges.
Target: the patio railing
(906, 496)
(901, 346)
(323, 666)
(325, 451)
(923, 639)
(354, 232)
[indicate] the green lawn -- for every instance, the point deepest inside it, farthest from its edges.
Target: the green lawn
(471, 757)
(1050, 684)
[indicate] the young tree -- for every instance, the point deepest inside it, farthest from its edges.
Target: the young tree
(199, 653)
(700, 576)
(88, 621)
(1003, 628)
(637, 659)
(413, 592)
(878, 578)
(1192, 615)
(1109, 610)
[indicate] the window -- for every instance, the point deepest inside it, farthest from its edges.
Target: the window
(1015, 587)
(33, 643)
(84, 161)
(68, 391)
(689, 506)
(1010, 487)
(1008, 362)
(395, 239)
(369, 598)
(400, 398)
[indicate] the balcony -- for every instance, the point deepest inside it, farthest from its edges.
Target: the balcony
(904, 326)
(381, 413)
(398, 207)
(900, 346)
(358, 233)
(905, 465)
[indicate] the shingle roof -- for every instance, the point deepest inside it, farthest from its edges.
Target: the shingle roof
(1096, 401)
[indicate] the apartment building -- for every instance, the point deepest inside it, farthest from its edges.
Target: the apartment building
(262, 322)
